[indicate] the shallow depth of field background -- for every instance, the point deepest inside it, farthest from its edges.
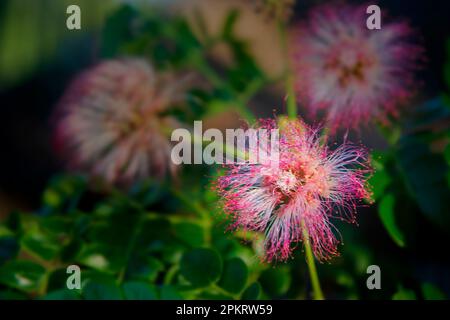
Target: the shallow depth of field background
(38, 197)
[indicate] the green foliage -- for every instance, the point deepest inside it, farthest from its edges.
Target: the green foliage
(380, 179)
(234, 276)
(386, 210)
(42, 30)
(422, 167)
(135, 290)
(276, 281)
(404, 294)
(253, 292)
(431, 292)
(201, 267)
(22, 275)
(174, 46)
(102, 288)
(63, 294)
(8, 244)
(126, 252)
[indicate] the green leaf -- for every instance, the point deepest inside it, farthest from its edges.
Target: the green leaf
(70, 251)
(431, 292)
(98, 257)
(253, 292)
(234, 276)
(190, 233)
(144, 268)
(57, 280)
(170, 293)
(44, 237)
(8, 246)
(23, 275)
(12, 295)
(404, 294)
(386, 210)
(447, 154)
(63, 194)
(184, 39)
(63, 294)
(424, 169)
(156, 230)
(201, 267)
(379, 181)
(276, 281)
(40, 245)
(136, 290)
(215, 296)
(109, 240)
(117, 30)
(101, 289)
(146, 193)
(230, 22)
(378, 160)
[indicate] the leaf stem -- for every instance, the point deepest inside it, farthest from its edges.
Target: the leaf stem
(290, 91)
(317, 291)
(131, 245)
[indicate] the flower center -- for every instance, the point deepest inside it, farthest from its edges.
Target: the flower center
(286, 182)
(350, 64)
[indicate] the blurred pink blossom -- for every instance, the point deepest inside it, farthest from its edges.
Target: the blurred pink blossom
(353, 74)
(111, 122)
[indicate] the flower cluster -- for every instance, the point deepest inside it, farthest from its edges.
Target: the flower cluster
(297, 195)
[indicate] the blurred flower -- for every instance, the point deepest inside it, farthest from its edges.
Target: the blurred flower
(111, 122)
(275, 9)
(298, 195)
(354, 74)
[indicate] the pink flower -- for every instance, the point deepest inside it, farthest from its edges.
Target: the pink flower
(353, 74)
(110, 122)
(309, 185)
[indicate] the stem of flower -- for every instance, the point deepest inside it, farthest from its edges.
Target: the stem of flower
(317, 291)
(291, 104)
(291, 100)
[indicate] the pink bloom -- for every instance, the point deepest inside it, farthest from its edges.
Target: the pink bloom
(110, 122)
(353, 74)
(309, 185)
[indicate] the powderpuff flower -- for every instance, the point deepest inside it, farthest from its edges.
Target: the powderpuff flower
(353, 74)
(296, 195)
(111, 123)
